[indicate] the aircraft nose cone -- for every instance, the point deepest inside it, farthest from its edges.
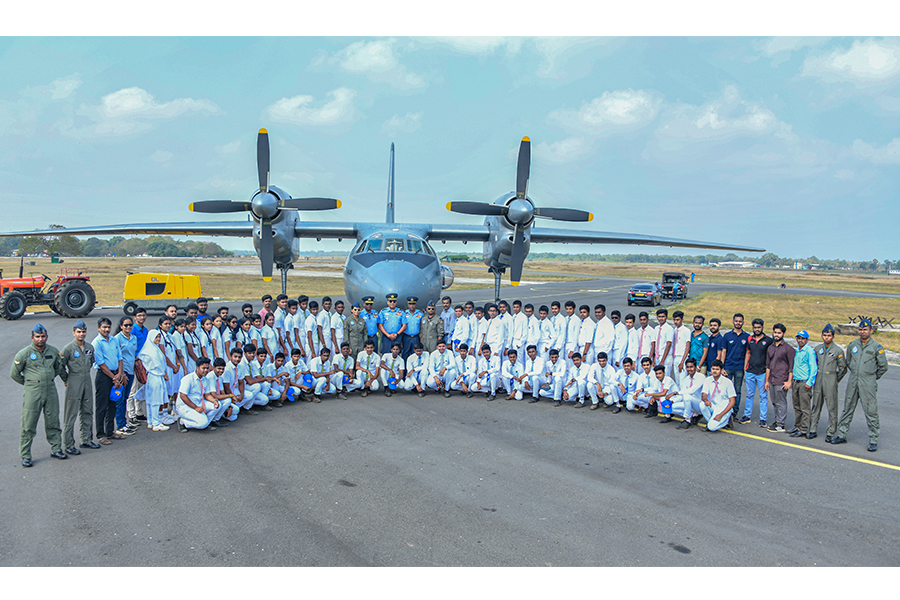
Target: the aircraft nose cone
(265, 205)
(520, 211)
(394, 277)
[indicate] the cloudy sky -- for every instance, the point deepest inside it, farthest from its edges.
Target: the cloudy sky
(792, 144)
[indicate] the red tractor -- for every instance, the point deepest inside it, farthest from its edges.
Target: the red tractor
(70, 295)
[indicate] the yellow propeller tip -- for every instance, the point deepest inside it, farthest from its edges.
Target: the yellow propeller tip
(338, 204)
(263, 131)
(515, 283)
(526, 139)
(448, 205)
(267, 279)
(590, 216)
(191, 207)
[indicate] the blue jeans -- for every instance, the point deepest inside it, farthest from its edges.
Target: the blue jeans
(755, 382)
(121, 422)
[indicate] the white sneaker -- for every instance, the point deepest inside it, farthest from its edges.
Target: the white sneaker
(161, 428)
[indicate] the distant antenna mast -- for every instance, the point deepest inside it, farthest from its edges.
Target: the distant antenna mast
(390, 201)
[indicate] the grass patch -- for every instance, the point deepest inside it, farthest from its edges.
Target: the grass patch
(811, 313)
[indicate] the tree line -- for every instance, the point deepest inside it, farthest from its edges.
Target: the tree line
(69, 245)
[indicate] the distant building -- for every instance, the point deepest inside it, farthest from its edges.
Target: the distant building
(894, 271)
(735, 264)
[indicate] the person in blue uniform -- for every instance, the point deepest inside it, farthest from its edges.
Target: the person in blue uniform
(390, 323)
(412, 318)
(371, 318)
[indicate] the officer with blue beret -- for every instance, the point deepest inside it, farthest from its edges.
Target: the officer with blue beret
(866, 363)
(390, 323)
(412, 318)
(371, 318)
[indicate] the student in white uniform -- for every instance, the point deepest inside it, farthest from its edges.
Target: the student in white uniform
(480, 331)
(416, 370)
(277, 380)
(533, 329)
(346, 369)
(153, 393)
(519, 330)
(259, 371)
(460, 329)
(533, 369)
(338, 319)
(269, 338)
(219, 391)
(604, 332)
(487, 374)
(586, 334)
(646, 339)
(464, 366)
(681, 343)
(323, 325)
(559, 324)
(573, 329)
(627, 380)
(296, 369)
(555, 371)
(645, 382)
(548, 333)
(576, 385)
(660, 386)
(495, 334)
(392, 367)
(313, 340)
(322, 370)
(289, 337)
(690, 394)
(633, 342)
(717, 399)
(234, 378)
(620, 340)
(511, 375)
(196, 407)
(368, 365)
(662, 345)
(254, 381)
(441, 369)
(505, 319)
(602, 382)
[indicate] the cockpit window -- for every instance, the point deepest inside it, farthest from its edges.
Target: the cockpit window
(414, 246)
(393, 245)
(374, 245)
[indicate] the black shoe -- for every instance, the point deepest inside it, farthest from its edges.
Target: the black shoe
(421, 394)
(792, 431)
(140, 418)
(579, 404)
(616, 409)
(873, 447)
(730, 423)
(650, 413)
(557, 403)
(26, 462)
(73, 451)
(364, 393)
(811, 435)
(595, 406)
(532, 401)
(838, 440)
(695, 419)
(387, 393)
(181, 427)
(684, 425)
(492, 397)
(60, 455)
(666, 419)
(827, 439)
(797, 433)
(266, 407)
(446, 394)
(468, 394)
(92, 444)
(212, 426)
(342, 396)
(222, 423)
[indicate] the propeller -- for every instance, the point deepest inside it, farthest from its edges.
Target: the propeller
(519, 211)
(265, 205)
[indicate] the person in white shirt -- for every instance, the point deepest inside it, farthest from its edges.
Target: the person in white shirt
(441, 369)
(481, 326)
(460, 329)
(266, 374)
(269, 339)
(416, 370)
(196, 407)
(604, 332)
(281, 311)
(555, 370)
(511, 375)
(633, 342)
(646, 339)
(576, 386)
(344, 378)
(627, 380)
(297, 332)
(533, 329)
(313, 339)
(640, 398)
(469, 315)
(534, 373)
(559, 324)
(254, 381)
(234, 381)
(506, 318)
(487, 375)
(322, 370)
(289, 334)
(586, 334)
(368, 366)
(690, 394)
(337, 325)
(602, 383)
(548, 333)
(662, 344)
(519, 330)
(717, 399)
(495, 334)
(278, 386)
(464, 367)
(323, 325)
(220, 391)
(296, 369)
(392, 367)
(661, 386)
(681, 343)
(573, 328)
(620, 340)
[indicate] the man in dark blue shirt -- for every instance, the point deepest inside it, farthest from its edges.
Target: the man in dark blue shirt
(716, 345)
(735, 353)
(136, 410)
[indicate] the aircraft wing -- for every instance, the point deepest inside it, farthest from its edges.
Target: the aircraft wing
(573, 236)
(325, 229)
(458, 233)
(229, 228)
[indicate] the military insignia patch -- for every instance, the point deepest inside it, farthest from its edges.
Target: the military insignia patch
(33, 356)
(77, 354)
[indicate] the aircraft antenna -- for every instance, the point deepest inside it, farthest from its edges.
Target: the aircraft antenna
(390, 199)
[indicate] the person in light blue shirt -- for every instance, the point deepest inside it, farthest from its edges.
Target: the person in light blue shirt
(806, 368)
(390, 324)
(108, 360)
(412, 318)
(128, 349)
(371, 318)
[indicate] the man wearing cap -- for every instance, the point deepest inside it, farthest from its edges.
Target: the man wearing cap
(432, 328)
(371, 318)
(35, 367)
(77, 360)
(805, 370)
(390, 323)
(832, 367)
(867, 364)
(412, 318)
(355, 329)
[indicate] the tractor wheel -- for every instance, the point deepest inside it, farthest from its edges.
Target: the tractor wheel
(75, 299)
(129, 309)
(12, 305)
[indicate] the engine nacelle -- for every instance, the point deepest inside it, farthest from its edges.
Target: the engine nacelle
(446, 277)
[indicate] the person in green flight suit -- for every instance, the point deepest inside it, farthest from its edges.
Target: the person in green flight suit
(355, 330)
(832, 368)
(432, 328)
(867, 364)
(78, 360)
(35, 367)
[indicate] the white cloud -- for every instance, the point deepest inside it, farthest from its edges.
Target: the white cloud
(562, 151)
(161, 156)
(64, 87)
(409, 123)
(477, 44)
(888, 154)
(338, 109)
(866, 62)
(617, 110)
(776, 45)
(229, 148)
(378, 62)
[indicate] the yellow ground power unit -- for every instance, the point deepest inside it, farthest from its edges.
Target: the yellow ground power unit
(155, 291)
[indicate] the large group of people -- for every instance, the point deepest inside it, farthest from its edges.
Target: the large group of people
(203, 370)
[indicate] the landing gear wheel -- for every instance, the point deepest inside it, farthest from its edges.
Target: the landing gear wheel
(12, 305)
(130, 308)
(75, 299)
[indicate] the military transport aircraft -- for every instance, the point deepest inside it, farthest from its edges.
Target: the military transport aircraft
(390, 257)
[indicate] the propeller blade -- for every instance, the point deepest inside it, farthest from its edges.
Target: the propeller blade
(262, 159)
(218, 206)
(518, 257)
(309, 204)
(477, 208)
(524, 168)
(266, 249)
(563, 214)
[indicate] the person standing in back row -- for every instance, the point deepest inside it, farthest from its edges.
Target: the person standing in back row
(755, 373)
(805, 371)
(867, 364)
(779, 376)
(78, 360)
(832, 367)
(735, 353)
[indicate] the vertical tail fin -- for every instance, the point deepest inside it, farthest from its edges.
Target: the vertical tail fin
(390, 199)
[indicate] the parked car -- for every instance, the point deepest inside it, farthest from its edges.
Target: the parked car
(644, 293)
(669, 280)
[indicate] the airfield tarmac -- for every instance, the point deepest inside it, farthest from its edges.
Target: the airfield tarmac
(409, 481)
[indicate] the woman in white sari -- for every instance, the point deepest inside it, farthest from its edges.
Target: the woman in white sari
(154, 390)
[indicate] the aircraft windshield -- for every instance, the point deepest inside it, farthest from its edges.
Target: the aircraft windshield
(414, 246)
(375, 245)
(393, 245)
